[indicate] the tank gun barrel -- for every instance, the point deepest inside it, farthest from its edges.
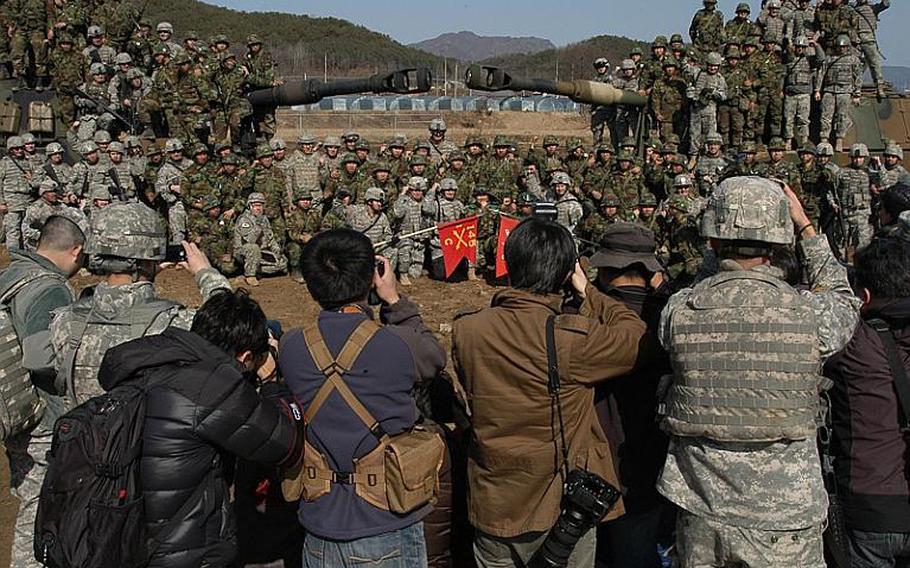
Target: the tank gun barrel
(402, 82)
(492, 79)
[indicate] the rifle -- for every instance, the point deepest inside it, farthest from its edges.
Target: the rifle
(842, 234)
(115, 177)
(100, 104)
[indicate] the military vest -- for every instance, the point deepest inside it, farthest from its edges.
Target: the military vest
(799, 76)
(746, 361)
(839, 76)
(853, 189)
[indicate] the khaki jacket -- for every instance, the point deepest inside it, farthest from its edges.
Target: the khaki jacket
(500, 356)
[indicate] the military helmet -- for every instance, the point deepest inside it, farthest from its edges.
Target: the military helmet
(714, 58)
(226, 55)
(221, 38)
(100, 192)
(350, 136)
(676, 38)
(659, 41)
(625, 156)
(527, 198)
(123, 58)
(501, 141)
(456, 155)
(647, 199)
(417, 183)
(842, 41)
(807, 148)
(28, 138)
(682, 180)
(374, 194)
(777, 143)
(252, 39)
(277, 143)
(116, 147)
(561, 177)
(94, 31)
(350, 158)
(173, 145)
(859, 151)
(748, 148)
(53, 148)
(437, 125)
(636, 51)
(164, 27)
(97, 69)
(669, 62)
(362, 144)
(574, 143)
(550, 140)
(85, 148)
(153, 149)
(132, 141)
(64, 38)
(330, 142)
(474, 140)
(448, 184)
(418, 160)
(191, 34)
(605, 149)
(743, 7)
(610, 200)
(418, 144)
(801, 41)
(182, 58)
(127, 230)
(709, 1)
(480, 190)
(679, 203)
(601, 62)
(135, 73)
(231, 160)
(751, 41)
(773, 4)
(824, 149)
(47, 186)
(255, 197)
(748, 209)
(733, 52)
(210, 202)
(381, 166)
(264, 151)
(161, 49)
(200, 148)
(627, 65)
(714, 138)
(307, 138)
(894, 150)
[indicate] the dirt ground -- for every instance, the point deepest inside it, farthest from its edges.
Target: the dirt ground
(290, 303)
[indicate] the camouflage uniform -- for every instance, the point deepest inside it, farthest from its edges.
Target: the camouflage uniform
(302, 225)
(68, 68)
(232, 106)
(852, 188)
(681, 246)
(627, 186)
(16, 193)
(441, 210)
(35, 217)
(832, 21)
(90, 115)
(568, 211)
(170, 174)
(601, 114)
(410, 216)
(270, 182)
(262, 75)
(215, 237)
(705, 93)
(30, 25)
(801, 23)
(737, 30)
(841, 82)
(751, 492)
(84, 176)
(707, 30)
(769, 110)
(668, 104)
(707, 172)
(800, 82)
(306, 174)
(252, 237)
(733, 113)
(501, 176)
(867, 20)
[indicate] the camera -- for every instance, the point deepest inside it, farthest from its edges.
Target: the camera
(546, 210)
(586, 500)
(175, 253)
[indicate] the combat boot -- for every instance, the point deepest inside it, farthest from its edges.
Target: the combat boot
(472, 274)
(251, 281)
(880, 93)
(296, 275)
(405, 281)
(839, 145)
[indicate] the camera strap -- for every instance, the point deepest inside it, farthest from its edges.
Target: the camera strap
(898, 372)
(553, 386)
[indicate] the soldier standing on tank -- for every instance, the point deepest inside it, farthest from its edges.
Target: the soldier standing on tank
(840, 89)
(97, 50)
(772, 23)
(833, 19)
(852, 200)
(228, 81)
(91, 116)
(653, 67)
(801, 21)
(737, 29)
(255, 245)
(29, 32)
(668, 101)
(262, 76)
(768, 117)
(189, 101)
(16, 178)
(601, 114)
(68, 68)
(757, 340)
(733, 113)
(867, 21)
(170, 186)
(626, 115)
(707, 28)
(709, 89)
(801, 80)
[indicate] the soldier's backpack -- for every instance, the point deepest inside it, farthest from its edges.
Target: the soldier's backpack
(20, 407)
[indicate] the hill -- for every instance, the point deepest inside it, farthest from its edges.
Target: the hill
(570, 62)
(302, 45)
(468, 46)
(899, 77)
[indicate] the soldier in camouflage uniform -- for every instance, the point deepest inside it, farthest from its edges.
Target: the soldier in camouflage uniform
(487, 230)
(568, 209)
(590, 231)
(164, 32)
(732, 114)
(800, 82)
(68, 68)
(28, 29)
(410, 216)
(440, 147)
(55, 167)
(16, 178)
(596, 176)
(268, 180)
(303, 223)
(91, 117)
(833, 19)
(442, 206)
(501, 173)
(169, 187)
(154, 160)
(707, 28)
(188, 104)
(738, 28)
(119, 172)
(745, 163)
(867, 26)
(709, 89)
(381, 178)
(280, 160)
(232, 108)
(668, 101)
(771, 22)
(645, 213)
(305, 163)
(852, 200)
(753, 339)
(370, 219)
(682, 248)
(893, 171)
(87, 172)
(813, 181)
(198, 183)
(711, 163)
(262, 76)
(801, 22)
(653, 67)
(97, 50)
(840, 89)
(351, 177)
(213, 233)
(626, 185)
(255, 245)
(40, 211)
(458, 171)
(627, 115)
(601, 114)
(767, 120)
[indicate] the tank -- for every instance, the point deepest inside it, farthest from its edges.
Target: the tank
(875, 122)
(29, 110)
(491, 79)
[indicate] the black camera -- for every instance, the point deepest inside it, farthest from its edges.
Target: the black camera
(546, 210)
(586, 500)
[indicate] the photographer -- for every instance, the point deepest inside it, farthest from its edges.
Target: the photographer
(516, 462)
(370, 380)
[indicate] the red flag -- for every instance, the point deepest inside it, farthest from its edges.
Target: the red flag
(458, 240)
(506, 224)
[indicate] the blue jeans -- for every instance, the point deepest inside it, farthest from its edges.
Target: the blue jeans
(405, 548)
(879, 550)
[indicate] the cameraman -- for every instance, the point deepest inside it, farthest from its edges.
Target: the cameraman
(515, 465)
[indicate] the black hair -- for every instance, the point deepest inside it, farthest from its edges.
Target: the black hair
(234, 322)
(60, 234)
(896, 200)
(540, 255)
(883, 267)
(338, 267)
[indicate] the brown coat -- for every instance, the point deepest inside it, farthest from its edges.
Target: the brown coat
(501, 359)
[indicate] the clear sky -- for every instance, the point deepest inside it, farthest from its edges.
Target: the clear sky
(561, 21)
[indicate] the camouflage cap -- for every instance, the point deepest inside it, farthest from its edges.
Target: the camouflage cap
(501, 141)
(102, 137)
(127, 230)
(417, 183)
(627, 142)
(751, 41)
(135, 73)
(374, 194)
(64, 38)
(659, 41)
(801, 41)
(748, 209)
(456, 156)
(842, 41)
(448, 184)
(182, 58)
(743, 7)
(255, 197)
(350, 158)
(561, 177)
(773, 5)
(53, 148)
(47, 186)
(123, 58)
(226, 56)
(610, 200)
(733, 52)
(264, 151)
(679, 203)
(550, 140)
(277, 143)
(200, 148)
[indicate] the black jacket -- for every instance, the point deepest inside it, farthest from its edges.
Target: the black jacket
(200, 409)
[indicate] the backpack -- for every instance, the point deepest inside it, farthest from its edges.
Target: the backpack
(20, 407)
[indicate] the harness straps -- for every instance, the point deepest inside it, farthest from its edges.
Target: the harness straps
(898, 372)
(334, 368)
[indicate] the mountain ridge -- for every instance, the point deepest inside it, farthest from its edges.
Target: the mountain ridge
(468, 46)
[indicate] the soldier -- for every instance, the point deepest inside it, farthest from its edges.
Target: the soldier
(801, 21)
(86, 172)
(800, 81)
(739, 27)
(682, 248)
(370, 219)
(652, 69)
(771, 22)
(197, 183)
(165, 31)
(352, 178)
(707, 28)
(833, 19)
(501, 174)
(15, 190)
(769, 84)
(709, 89)
(213, 233)
(330, 160)
(154, 160)
(40, 211)
(747, 317)
(232, 108)
(28, 28)
(645, 212)
(229, 185)
(442, 206)
(280, 160)
(135, 105)
(893, 171)
(549, 159)
(68, 68)
(126, 245)
(268, 180)
(812, 180)
(867, 21)
(91, 115)
(97, 50)
(254, 243)
(827, 173)
(779, 168)
(462, 176)
(55, 167)
(169, 187)
(668, 101)
(350, 139)
(98, 197)
(440, 147)
(119, 173)
(625, 184)
(187, 109)
(711, 164)
(381, 178)
(303, 223)
(409, 214)
(745, 164)
(305, 163)
(733, 113)
(627, 115)
(262, 76)
(568, 209)
(840, 88)
(852, 201)
(475, 156)
(601, 114)
(590, 231)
